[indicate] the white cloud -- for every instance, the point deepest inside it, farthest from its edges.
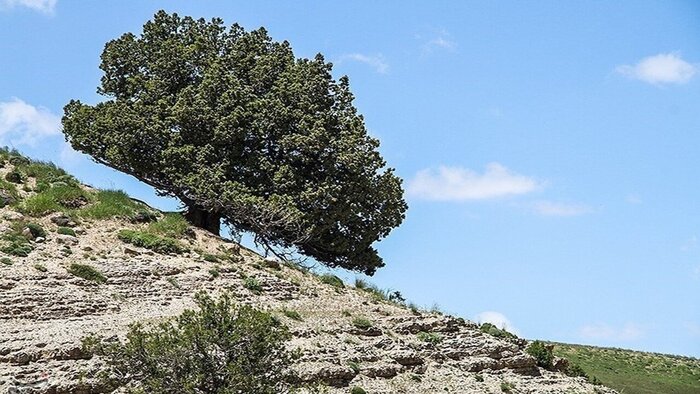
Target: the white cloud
(690, 244)
(43, 6)
(441, 40)
(22, 123)
(550, 208)
(460, 184)
(497, 319)
(628, 332)
(633, 199)
(660, 69)
(376, 61)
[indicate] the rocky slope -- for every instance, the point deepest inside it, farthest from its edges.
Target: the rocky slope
(45, 311)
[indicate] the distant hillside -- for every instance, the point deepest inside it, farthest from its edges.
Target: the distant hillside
(635, 372)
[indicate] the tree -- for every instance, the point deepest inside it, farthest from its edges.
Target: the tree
(221, 348)
(239, 129)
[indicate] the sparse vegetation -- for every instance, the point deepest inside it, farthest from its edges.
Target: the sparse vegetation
(87, 272)
(429, 337)
(151, 241)
(491, 329)
(6, 261)
(362, 323)
(354, 366)
(332, 280)
(40, 267)
(357, 390)
(507, 387)
(252, 284)
(220, 348)
(294, 315)
(66, 231)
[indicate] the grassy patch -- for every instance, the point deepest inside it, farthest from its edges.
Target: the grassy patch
(630, 371)
(332, 280)
(40, 267)
(429, 337)
(60, 198)
(110, 204)
(362, 323)
(294, 315)
(357, 390)
(253, 285)
(507, 387)
(87, 272)
(491, 329)
(172, 225)
(66, 231)
(151, 241)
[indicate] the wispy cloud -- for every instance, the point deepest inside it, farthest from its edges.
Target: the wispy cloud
(627, 332)
(440, 40)
(551, 208)
(461, 184)
(22, 123)
(43, 6)
(375, 61)
(497, 319)
(664, 68)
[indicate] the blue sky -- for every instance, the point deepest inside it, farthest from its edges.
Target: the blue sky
(549, 149)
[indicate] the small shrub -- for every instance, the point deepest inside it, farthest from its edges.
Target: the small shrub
(150, 241)
(294, 315)
(542, 353)
(18, 249)
(210, 258)
(214, 272)
(36, 230)
(40, 267)
(357, 390)
(332, 280)
(219, 348)
(479, 377)
(575, 370)
(6, 261)
(87, 272)
(491, 329)
(66, 231)
(173, 282)
(253, 285)
(354, 366)
(362, 323)
(346, 313)
(507, 387)
(429, 337)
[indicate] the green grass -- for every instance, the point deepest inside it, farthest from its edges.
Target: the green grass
(429, 337)
(66, 231)
(332, 280)
(172, 225)
(151, 241)
(630, 371)
(362, 323)
(294, 315)
(253, 285)
(110, 204)
(61, 198)
(87, 272)
(357, 390)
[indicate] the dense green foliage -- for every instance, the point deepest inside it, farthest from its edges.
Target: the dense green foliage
(237, 127)
(542, 353)
(221, 348)
(630, 371)
(151, 241)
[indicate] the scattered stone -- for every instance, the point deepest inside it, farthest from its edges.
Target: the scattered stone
(63, 221)
(12, 216)
(39, 240)
(65, 239)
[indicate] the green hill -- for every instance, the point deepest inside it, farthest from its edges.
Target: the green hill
(635, 372)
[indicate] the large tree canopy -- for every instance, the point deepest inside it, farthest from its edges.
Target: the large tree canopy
(237, 127)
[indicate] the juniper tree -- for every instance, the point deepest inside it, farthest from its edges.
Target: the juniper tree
(234, 125)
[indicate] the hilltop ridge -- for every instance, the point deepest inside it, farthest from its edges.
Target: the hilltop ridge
(79, 261)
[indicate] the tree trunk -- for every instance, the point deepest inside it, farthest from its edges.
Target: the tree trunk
(210, 221)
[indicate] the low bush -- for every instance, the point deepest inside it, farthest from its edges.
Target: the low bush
(357, 390)
(220, 348)
(151, 241)
(66, 231)
(253, 285)
(87, 272)
(332, 280)
(172, 225)
(542, 353)
(294, 315)
(507, 387)
(491, 329)
(362, 323)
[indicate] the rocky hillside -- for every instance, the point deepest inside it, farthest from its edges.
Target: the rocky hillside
(78, 261)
